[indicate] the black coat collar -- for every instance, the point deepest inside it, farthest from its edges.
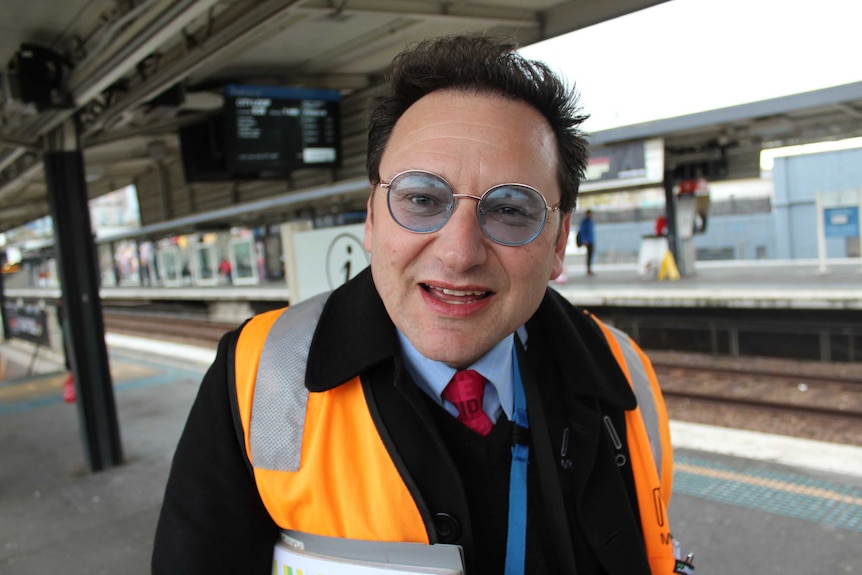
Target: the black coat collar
(355, 333)
(577, 346)
(579, 381)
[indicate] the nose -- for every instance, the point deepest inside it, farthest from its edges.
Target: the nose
(461, 243)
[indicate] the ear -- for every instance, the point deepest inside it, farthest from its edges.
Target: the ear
(369, 221)
(560, 247)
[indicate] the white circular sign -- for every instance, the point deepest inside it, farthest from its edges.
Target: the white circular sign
(345, 258)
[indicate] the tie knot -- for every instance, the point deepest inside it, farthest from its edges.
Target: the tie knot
(465, 384)
(466, 392)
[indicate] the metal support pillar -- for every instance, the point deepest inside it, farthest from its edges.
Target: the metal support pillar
(825, 346)
(79, 281)
(140, 263)
(115, 269)
(5, 320)
(670, 215)
(733, 341)
(713, 338)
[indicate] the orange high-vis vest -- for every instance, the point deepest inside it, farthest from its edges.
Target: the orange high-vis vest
(648, 436)
(297, 440)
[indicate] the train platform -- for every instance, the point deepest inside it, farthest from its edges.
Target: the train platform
(743, 502)
(772, 284)
(769, 284)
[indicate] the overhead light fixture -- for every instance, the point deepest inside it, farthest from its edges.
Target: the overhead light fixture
(771, 127)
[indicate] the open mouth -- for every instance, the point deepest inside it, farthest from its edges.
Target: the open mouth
(455, 296)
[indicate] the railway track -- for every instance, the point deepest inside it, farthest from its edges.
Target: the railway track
(779, 388)
(786, 388)
(825, 376)
(806, 399)
(767, 404)
(178, 327)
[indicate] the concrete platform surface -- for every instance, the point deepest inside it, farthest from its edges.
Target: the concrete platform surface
(743, 503)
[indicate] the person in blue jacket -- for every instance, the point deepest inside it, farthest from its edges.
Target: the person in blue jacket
(587, 238)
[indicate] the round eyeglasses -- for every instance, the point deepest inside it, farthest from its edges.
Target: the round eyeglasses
(509, 214)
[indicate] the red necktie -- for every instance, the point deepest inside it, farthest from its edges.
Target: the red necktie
(466, 391)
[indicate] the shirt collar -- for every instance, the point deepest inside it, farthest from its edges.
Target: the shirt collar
(433, 376)
(364, 336)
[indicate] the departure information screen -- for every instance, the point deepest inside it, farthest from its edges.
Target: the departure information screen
(272, 130)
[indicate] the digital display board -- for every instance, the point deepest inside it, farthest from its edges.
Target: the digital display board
(27, 321)
(273, 130)
(627, 164)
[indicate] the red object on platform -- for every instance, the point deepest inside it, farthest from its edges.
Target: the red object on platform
(687, 187)
(69, 393)
(661, 226)
(466, 391)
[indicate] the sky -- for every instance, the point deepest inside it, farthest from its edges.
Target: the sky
(687, 56)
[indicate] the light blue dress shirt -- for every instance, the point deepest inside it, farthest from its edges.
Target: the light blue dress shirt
(496, 366)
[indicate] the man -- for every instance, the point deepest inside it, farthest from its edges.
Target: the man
(587, 237)
(337, 417)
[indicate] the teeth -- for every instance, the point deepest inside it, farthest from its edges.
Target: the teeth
(459, 293)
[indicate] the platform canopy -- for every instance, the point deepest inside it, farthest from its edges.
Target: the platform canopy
(132, 73)
(116, 58)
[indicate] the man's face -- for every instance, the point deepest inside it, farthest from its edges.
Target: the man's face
(455, 293)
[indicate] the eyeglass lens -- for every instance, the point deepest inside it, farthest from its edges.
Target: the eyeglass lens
(510, 214)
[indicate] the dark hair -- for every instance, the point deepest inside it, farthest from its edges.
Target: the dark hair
(481, 64)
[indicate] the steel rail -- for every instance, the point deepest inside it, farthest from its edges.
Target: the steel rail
(761, 403)
(662, 367)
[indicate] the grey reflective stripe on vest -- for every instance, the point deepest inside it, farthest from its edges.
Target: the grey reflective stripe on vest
(280, 395)
(643, 392)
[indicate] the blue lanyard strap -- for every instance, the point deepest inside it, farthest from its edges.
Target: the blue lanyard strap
(516, 540)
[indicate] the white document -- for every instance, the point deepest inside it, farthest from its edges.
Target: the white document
(302, 554)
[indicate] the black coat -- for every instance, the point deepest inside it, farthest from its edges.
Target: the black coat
(213, 520)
